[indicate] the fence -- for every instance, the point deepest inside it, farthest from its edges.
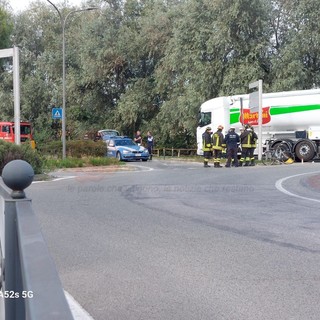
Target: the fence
(173, 152)
(30, 285)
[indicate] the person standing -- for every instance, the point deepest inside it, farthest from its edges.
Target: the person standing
(206, 147)
(245, 140)
(254, 139)
(218, 144)
(150, 144)
(138, 138)
(232, 139)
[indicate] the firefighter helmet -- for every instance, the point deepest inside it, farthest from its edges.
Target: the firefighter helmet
(220, 127)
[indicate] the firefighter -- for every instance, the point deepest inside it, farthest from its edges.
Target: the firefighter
(218, 144)
(206, 146)
(245, 140)
(253, 146)
(232, 139)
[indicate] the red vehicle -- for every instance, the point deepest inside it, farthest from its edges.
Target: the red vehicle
(7, 132)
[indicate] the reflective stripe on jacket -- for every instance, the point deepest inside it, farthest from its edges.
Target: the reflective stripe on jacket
(206, 141)
(218, 141)
(246, 138)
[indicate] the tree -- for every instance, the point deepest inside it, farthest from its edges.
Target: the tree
(217, 48)
(297, 62)
(143, 38)
(6, 27)
(149, 64)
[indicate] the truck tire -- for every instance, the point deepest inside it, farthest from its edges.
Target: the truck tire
(304, 150)
(282, 151)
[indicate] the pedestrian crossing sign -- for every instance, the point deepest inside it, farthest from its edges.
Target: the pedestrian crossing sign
(56, 113)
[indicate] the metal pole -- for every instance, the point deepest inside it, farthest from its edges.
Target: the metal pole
(63, 26)
(64, 89)
(260, 122)
(16, 94)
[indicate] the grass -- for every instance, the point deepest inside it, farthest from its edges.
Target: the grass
(52, 163)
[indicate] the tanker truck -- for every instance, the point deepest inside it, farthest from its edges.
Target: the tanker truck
(290, 118)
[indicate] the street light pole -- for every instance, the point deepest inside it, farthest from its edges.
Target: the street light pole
(63, 20)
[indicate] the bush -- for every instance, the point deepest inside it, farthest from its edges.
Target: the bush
(76, 148)
(52, 164)
(10, 151)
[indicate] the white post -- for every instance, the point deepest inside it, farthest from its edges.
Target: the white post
(14, 53)
(16, 94)
(260, 122)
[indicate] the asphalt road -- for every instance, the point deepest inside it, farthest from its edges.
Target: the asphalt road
(171, 240)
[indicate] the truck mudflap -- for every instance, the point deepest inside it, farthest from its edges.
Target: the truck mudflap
(305, 149)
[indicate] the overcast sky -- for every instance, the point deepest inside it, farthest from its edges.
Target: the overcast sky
(22, 4)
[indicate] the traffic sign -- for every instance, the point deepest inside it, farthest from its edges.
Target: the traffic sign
(56, 113)
(254, 101)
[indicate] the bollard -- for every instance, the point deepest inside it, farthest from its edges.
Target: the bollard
(17, 175)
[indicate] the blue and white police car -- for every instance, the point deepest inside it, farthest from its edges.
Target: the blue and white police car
(124, 148)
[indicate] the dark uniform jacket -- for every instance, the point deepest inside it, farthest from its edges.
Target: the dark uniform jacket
(246, 139)
(218, 142)
(232, 139)
(206, 141)
(254, 140)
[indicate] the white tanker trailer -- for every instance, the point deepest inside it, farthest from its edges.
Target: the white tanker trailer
(291, 117)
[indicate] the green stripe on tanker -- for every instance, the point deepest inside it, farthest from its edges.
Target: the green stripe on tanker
(275, 110)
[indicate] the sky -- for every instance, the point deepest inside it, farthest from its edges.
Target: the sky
(18, 5)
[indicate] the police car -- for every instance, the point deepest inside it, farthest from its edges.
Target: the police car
(124, 148)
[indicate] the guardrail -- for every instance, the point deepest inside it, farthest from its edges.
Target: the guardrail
(30, 285)
(174, 152)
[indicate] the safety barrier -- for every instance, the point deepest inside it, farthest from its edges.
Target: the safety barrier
(30, 285)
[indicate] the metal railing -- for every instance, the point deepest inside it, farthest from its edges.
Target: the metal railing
(174, 152)
(30, 285)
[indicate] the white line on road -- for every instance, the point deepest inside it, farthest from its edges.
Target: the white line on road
(282, 189)
(77, 311)
(56, 179)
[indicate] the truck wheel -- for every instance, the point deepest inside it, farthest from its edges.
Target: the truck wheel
(304, 150)
(281, 151)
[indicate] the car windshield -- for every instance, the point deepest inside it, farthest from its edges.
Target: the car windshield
(124, 142)
(109, 133)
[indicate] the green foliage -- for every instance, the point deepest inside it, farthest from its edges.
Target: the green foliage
(11, 151)
(148, 65)
(52, 164)
(77, 148)
(6, 27)
(82, 148)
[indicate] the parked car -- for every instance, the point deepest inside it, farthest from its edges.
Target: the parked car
(124, 148)
(106, 134)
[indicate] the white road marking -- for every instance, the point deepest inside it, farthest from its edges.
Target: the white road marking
(77, 311)
(280, 187)
(55, 179)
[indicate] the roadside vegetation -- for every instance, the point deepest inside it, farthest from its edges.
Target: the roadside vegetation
(49, 157)
(11, 151)
(148, 65)
(52, 164)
